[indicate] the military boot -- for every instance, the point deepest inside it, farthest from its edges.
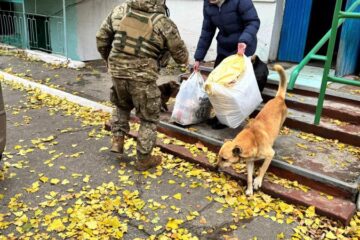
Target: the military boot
(107, 126)
(147, 163)
(117, 144)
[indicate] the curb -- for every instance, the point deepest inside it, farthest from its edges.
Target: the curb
(54, 59)
(52, 91)
(46, 57)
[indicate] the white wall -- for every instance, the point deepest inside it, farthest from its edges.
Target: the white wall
(188, 16)
(270, 13)
(90, 15)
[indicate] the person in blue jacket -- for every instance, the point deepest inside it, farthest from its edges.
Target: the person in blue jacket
(238, 24)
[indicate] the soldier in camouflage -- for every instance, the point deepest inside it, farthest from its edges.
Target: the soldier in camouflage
(134, 40)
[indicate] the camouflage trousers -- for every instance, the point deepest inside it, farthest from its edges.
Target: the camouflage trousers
(145, 98)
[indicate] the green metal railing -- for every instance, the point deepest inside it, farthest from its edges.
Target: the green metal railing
(45, 33)
(28, 28)
(12, 28)
(338, 19)
(338, 16)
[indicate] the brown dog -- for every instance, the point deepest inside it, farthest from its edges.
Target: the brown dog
(169, 89)
(255, 141)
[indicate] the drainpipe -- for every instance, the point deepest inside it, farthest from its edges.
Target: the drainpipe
(65, 29)
(25, 25)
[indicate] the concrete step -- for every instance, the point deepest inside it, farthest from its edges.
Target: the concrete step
(336, 207)
(304, 168)
(335, 108)
(344, 194)
(344, 132)
(331, 94)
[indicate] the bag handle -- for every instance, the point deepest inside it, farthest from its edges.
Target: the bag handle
(200, 81)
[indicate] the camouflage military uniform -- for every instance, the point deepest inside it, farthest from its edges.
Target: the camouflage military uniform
(134, 75)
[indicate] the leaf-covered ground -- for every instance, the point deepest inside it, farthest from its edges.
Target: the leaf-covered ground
(59, 181)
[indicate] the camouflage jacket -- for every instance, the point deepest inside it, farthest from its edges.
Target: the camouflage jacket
(126, 66)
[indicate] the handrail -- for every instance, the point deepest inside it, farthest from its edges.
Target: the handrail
(338, 17)
(312, 54)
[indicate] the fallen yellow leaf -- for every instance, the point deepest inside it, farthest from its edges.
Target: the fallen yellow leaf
(173, 224)
(54, 181)
(177, 196)
(91, 224)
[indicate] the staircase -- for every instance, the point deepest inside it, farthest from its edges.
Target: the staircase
(340, 121)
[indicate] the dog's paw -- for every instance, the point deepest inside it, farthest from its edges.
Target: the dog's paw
(257, 183)
(249, 192)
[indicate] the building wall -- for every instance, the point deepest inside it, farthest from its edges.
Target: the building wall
(84, 18)
(270, 13)
(188, 16)
(54, 9)
(90, 15)
(348, 58)
(72, 28)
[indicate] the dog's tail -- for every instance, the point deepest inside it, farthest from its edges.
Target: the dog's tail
(283, 81)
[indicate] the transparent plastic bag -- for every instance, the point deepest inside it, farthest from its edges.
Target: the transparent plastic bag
(192, 104)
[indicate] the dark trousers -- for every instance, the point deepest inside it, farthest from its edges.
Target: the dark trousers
(219, 59)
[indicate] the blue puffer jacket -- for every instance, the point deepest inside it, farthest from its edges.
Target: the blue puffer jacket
(237, 21)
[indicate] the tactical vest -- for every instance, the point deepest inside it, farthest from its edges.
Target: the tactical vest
(134, 33)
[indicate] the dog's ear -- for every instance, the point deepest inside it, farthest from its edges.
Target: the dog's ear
(236, 151)
(227, 140)
(219, 156)
(174, 84)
